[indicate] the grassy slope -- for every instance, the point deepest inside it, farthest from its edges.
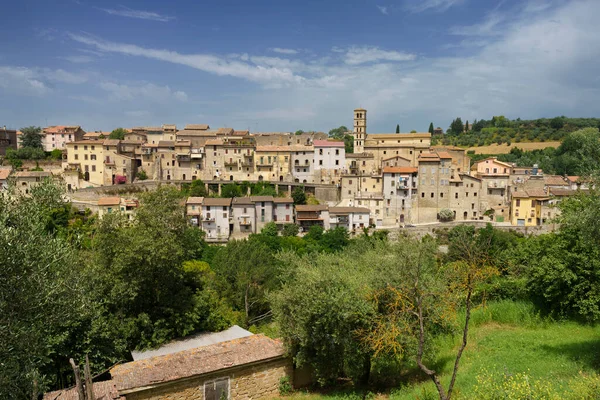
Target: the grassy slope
(509, 338)
(505, 148)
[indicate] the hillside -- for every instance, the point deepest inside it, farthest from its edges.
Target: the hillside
(505, 148)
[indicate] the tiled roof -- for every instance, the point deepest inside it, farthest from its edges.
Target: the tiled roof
(96, 134)
(261, 198)
(105, 390)
(59, 128)
(273, 148)
(573, 178)
(86, 142)
(109, 201)
(194, 362)
(32, 174)
(4, 173)
(214, 142)
(183, 143)
(166, 143)
(496, 161)
(111, 142)
(555, 180)
(520, 194)
(443, 154)
(197, 127)
(327, 143)
(283, 200)
(242, 201)
(400, 170)
(169, 126)
(308, 207)
(562, 192)
(348, 210)
(241, 133)
(536, 193)
(224, 131)
(394, 157)
(429, 157)
(195, 200)
(215, 201)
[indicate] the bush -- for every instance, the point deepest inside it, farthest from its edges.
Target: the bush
(141, 175)
(446, 215)
(290, 230)
(285, 387)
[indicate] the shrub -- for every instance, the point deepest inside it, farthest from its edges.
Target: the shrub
(446, 215)
(141, 175)
(492, 386)
(285, 386)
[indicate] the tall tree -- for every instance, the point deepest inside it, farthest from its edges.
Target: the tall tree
(431, 129)
(398, 128)
(467, 126)
(118, 133)
(457, 126)
(338, 133)
(32, 137)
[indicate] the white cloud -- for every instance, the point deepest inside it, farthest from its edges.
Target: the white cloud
(36, 81)
(383, 10)
(139, 14)
(78, 59)
(148, 92)
(204, 62)
(417, 6)
(284, 51)
(362, 55)
(489, 26)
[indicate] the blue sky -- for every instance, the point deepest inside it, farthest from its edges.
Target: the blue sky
(285, 65)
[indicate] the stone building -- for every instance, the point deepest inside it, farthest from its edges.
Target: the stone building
(8, 140)
(329, 161)
(309, 215)
(303, 169)
(25, 180)
(247, 367)
(193, 210)
(244, 216)
(216, 219)
(263, 210)
(351, 218)
(283, 210)
(359, 129)
(399, 192)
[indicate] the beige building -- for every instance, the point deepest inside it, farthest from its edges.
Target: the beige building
(359, 129)
(273, 163)
(56, 137)
(26, 180)
(193, 209)
(399, 193)
(353, 219)
(216, 220)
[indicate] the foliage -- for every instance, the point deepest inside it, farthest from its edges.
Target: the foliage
(299, 195)
(118, 133)
(338, 133)
(299, 132)
(290, 230)
(456, 127)
(270, 229)
(56, 154)
(398, 128)
(512, 387)
(285, 386)
(231, 190)
(196, 188)
(141, 175)
(446, 215)
(40, 291)
(31, 136)
(431, 129)
(27, 153)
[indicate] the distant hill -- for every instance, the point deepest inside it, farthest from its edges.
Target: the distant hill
(501, 130)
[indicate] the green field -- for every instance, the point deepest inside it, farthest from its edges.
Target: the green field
(508, 338)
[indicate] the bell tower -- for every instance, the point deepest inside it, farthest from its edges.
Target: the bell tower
(360, 129)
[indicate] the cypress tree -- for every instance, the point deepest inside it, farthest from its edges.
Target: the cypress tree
(398, 128)
(431, 128)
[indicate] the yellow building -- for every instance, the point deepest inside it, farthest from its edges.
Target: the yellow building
(87, 157)
(526, 207)
(273, 163)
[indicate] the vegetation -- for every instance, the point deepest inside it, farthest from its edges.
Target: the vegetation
(118, 133)
(31, 137)
(498, 314)
(342, 133)
(141, 175)
(500, 130)
(577, 154)
(299, 195)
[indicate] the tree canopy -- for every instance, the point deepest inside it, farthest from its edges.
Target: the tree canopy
(118, 133)
(31, 137)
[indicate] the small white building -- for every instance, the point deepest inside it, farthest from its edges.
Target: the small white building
(283, 210)
(399, 190)
(303, 167)
(244, 216)
(216, 219)
(263, 206)
(329, 160)
(351, 218)
(193, 208)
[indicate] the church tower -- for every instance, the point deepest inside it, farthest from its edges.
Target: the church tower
(360, 129)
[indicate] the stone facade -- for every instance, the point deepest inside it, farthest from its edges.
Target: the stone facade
(254, 382)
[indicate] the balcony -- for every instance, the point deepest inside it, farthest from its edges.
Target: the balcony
(231, 163)
(248, 164)
(184, 158)
(245, 222)
(208, 219)
(197, 154)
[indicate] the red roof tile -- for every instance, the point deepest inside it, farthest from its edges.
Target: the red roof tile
(400, 170)
(327, 143)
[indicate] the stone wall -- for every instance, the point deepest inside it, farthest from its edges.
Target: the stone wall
(253, 382)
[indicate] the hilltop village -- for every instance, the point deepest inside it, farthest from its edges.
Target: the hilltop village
(389, 180)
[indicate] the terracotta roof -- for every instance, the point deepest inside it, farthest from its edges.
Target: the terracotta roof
(308, 207)
(261, 198)
(95, 134)
(194, 200)
(166, 143)
(214, 142)
(224, 131)
(283, 200)
(149, 145)
(573, 178)
(131, 141)
(111, 142)
(495, 160)
(242, 201)
(105, 390)
(109, 201)
(183, 143)
(537, 193)
(241, 133)
(400, 170)
(153, 128)
(169, 126)
(519, 194)
(86, 142)
(394, 157)
(562, 192)
(4, 173)
(31, 174)
(348, 210)
(359, 109)
(215, 201)
(443, 154)
(197, 361)
(327, 143)
(59, 128)
(555, 180)
(455, 148)
(428, 157)
(197, 127)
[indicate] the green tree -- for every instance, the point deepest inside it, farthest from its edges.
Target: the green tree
(247, 270)
(56, 154)
(349, 144)
(197, 189)
(467, 126)
(457, 126)
(413, 131)
(118, 133)
(32, 137)
(299, 195)
(41, 292)
(431, 129)
(398, 128)
(557, 123)
(270, 229)
(290, 230)
(231, 190)
(338, 133)
(141, 175)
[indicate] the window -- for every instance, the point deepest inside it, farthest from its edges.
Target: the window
(85, 147)
(75, 147)
(337, 162)
(217, 390)
(350, 182)
(287, 206)
(77, 156)
(85, 156)
(475, 194)
(93, 157)
(93, 168)
(320, 152)
(224, 208)
(432, 195)
(423, 195)
(518, 202)
(337, 152)
(456, 195)
(320, 162)
(441, 194)
(93, 147)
